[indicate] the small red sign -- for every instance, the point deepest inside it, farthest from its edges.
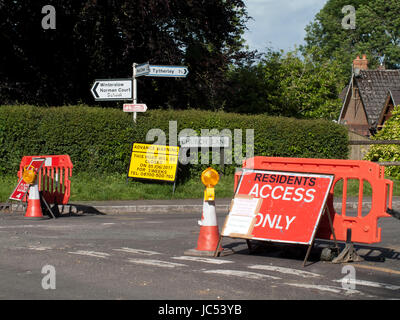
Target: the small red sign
(292, 203)
(141, 107)
(22, 187)
(20, 190)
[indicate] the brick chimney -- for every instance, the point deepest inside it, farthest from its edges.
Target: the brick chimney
(360, 64)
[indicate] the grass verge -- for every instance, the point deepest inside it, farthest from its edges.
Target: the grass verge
(96, 187)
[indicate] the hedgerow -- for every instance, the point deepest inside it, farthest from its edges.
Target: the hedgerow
(100, 139)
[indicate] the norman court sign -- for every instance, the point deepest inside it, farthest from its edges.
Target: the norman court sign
(112, 89)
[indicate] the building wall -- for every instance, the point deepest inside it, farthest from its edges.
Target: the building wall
(357, 152)
(355, 118)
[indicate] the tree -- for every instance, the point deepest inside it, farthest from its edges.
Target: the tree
(286, 84)
(381, 153)
(251, 85)
(376, 33)
(102, 38)
(308, 89)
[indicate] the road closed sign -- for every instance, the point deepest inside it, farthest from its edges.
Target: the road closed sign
(292, 203)
(154, 162)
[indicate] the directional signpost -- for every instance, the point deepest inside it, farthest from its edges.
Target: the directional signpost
(142, 69)
(126, 89)
(112, 89)
(168, 71)
(129, 107)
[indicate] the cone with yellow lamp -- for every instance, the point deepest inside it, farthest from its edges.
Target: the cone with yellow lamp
(34, 209)
(209, 234)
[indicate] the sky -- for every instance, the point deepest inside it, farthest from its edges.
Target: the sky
(279, 24)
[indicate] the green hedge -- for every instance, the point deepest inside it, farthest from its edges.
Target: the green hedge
(99, 139)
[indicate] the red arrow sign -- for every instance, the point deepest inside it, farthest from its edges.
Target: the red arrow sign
(140, 107)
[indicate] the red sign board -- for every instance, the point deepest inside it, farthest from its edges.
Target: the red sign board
(22, 187)
(292, 203)
(140, 107)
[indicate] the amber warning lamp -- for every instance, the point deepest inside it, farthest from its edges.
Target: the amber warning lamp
(29, 174)
(210, 178)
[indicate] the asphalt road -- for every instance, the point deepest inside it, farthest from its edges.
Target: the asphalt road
(141, 256)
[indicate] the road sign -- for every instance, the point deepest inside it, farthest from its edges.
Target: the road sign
(139, 107)
(142, 69)
(168, 71)
(154, 162)
(292, 203)
(22, 187)
(112, 89)
(204, 141)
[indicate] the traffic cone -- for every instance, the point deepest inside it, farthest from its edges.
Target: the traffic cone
(209, 234)
(34, 209)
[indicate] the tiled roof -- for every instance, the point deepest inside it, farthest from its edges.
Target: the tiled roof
(373, 87)
(395, 93)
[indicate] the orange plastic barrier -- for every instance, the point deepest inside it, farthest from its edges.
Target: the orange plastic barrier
(364, 227)
(53, 177)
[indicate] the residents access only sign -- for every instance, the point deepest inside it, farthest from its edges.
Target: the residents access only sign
(277, 206)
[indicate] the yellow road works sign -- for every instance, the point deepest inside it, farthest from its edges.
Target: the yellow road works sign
(151, 161)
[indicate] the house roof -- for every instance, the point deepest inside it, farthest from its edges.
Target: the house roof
(395, 94)
(373, 87)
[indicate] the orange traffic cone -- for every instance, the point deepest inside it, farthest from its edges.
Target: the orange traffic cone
(209, 234)
(34, 209)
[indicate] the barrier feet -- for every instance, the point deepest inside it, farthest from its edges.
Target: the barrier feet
(349, 253)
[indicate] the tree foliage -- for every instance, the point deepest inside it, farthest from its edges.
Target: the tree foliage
(380, 153)
(102, 38)
(376, 33)
(286, 84)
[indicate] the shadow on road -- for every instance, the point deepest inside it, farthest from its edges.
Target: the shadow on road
(298, 252)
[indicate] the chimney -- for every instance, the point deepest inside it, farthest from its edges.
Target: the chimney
(360, 64)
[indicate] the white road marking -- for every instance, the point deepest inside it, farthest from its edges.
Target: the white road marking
(323, 288)
(201, 259)
(91, 253)
(39, 248)
(373, 284)
(24, 226)
(295, 272)
(137, 251)
(242, 274)
(157, 263)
